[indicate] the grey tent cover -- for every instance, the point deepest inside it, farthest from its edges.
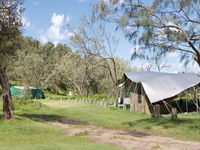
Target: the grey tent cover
(159, 86)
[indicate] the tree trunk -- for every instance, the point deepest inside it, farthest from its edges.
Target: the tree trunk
(6, 95)
(197, 58)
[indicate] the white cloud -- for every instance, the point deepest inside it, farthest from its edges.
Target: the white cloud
(26, 22)
(57, 32)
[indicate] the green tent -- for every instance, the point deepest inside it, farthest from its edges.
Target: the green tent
(22, 92)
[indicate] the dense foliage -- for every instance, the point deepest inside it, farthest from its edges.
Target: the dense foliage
(58, 69)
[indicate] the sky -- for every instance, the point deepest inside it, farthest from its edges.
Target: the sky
(45, 21)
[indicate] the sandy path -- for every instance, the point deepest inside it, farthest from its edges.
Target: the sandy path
(120, 138)
(127, 139)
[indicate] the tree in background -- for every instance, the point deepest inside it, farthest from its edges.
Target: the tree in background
(157, 26)
(10, 24)
(37, 65)
(96, 46)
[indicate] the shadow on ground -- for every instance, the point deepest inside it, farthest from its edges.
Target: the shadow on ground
(53, 118)
(134, 133)
(166, 123)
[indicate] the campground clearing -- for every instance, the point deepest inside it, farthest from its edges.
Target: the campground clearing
(59, 125)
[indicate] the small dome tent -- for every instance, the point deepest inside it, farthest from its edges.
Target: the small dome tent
(30, 92)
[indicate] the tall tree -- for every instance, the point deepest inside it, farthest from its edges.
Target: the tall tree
(97, 45)
(157, 26)
(93, 40)
(10, 24)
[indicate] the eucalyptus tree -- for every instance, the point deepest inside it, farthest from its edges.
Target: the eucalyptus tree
(10, 31)
(93, 41)
(37, 65)
(96, 44)
(157, 26)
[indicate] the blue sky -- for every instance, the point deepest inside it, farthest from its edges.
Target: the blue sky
(44, 20)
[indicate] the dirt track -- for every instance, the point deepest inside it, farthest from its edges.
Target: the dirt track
(127, 139)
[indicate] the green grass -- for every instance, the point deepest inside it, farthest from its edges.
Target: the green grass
(186, 127)
(31, 129)
(28, 133)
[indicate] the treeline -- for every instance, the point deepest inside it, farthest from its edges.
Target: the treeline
(59, 69)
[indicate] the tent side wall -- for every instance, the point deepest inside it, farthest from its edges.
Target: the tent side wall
(18, 93)
(139, 100)
(27, 94)
(37, 94)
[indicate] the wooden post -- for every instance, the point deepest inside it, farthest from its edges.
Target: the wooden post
(174, 113)
(124, 106)
(132, 107)
(107, 103)
(186, 105)
(115, 104)
(197, 105)
(156, 110)
(102, 103)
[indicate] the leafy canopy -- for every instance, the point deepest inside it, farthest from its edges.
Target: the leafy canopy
(157, 26)
(10, 27)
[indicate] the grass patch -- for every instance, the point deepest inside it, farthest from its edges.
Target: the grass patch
(31, 129)
(186, 127)
(155, 147)
(83, 133)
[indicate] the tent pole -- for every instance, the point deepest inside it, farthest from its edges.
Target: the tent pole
(186, 106)
(166, 106)
(179, 107)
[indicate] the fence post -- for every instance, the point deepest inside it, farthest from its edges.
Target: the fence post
(156, 111)
(174, 113)
(132, 107)
(124, 106)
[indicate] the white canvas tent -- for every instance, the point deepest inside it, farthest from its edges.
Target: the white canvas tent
(159, 86)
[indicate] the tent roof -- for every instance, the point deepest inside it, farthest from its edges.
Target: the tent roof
(159, 86)
(22, 87)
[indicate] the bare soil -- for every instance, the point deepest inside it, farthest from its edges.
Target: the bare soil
(126, 139)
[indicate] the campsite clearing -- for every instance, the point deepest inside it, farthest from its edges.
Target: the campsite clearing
(126, 139)
(61, 125)
(186, 127)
